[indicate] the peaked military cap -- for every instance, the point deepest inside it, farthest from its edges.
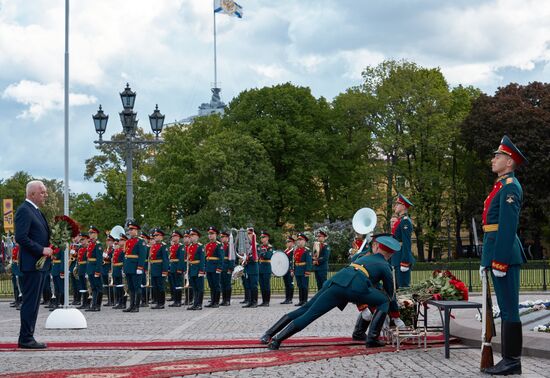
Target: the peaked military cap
(321, 232)
(177, 233)
(290, 239)
(193, 230)
(111, 237)
(93, 229)
(301, 235)
(387, 242)
(404, 200)
(212, 230)
(265, 233)
(84, 235)
(157, 230)
(133, 224)
(224, 233)
(508, 148)
(123, 237)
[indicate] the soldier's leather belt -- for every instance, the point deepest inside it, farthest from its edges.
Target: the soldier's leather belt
(174, 260)
(360, 268)
(118, 264)
(56, 261)
(265, 261)
(156, 261)
(490, 227)
(92, 260)
(300, 264)
(131, 256)
(212, 258)
(81, 262)
(194, 262)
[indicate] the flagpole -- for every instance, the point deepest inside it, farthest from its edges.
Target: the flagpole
(215, 55)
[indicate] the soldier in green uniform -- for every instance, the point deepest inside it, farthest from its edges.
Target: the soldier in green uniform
(265, 253)
(135, 253)
(159, 268)
(402, 229)
(145, 290)
(177, 268)
(93, 268)
(320, 261)
(118, 262)
(214, 260)
(251, 270)
(58, 275)
(503, 253)
(350, 284)
(73, 263)
(106, 269)
(197, 267)
(354, 252)
(302, 268)
(288, 278)
(227, 270)
(189, 296)
(16, 276)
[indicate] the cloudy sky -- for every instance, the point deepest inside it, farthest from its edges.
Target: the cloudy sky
(164, 49)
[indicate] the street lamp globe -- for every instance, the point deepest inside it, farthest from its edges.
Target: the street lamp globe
(157, 121)
(128, 98)
(100, 121)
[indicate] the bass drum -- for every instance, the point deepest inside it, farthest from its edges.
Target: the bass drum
(279, 263)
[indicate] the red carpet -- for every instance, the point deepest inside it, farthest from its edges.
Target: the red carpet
(195, 344)
(289, 355)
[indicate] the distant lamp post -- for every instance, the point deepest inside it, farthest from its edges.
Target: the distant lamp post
(129, 126)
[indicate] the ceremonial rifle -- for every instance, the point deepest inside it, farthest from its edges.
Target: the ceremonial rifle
(487, 321)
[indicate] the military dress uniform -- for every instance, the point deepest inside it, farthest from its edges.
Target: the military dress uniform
(320, 265)
(251, 272)
(15, 276)
(228, 265)
(118, 262)
(214, 260)
(288, 279)
(196, 273)
(135, 253)
(503, 255)
(58, 275)
(350, 284)
(81, 262)
(145, 290)
(176, 270)
(159, 270)
(302, 270)
(93, 270)
(355, 246)
(265, 252)
(106, 270)
(73, 263)
(403, 260)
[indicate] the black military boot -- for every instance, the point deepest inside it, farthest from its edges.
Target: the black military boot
(229, 296)
(176, 298)
(375, 328)
(99, 301)
(143, 302)
(93, 306)
(216, 301)
(281, 323)
(160, 301)
(246, 297)
(85, 301)
(300, 297)
(132, 303)
(288, 331)
(110, 296)
(224, 298)
(212, 298)
(512, 343)
(137, 303)
(360, 330)
(266, 297)
(54, 304)
(253, 298)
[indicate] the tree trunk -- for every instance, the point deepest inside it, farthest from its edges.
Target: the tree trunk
(419, 242)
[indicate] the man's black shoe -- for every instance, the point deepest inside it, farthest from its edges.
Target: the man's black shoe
(32, 345)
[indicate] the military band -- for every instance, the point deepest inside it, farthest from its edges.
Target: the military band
(177, 268)
(135, 253)
(214, 261)
(227, 270)
(251, 271)
(159, 264)
(197, 268)
(118, 262)
(94, 262)
(106, 270)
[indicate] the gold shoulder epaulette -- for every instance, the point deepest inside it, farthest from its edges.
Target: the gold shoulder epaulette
(509, 180)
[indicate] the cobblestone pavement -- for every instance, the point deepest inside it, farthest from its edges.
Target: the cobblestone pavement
(226, 323)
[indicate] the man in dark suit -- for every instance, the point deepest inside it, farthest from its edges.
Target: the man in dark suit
(33, 235)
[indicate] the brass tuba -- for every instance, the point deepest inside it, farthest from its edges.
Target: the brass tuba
(116, 232)
(364, 222)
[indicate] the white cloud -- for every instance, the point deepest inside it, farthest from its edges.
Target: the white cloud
(41, 98)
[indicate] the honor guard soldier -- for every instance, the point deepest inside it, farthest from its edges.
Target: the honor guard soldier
(227, 270)
(159, 268)
(15, 277)
(265, 253)
(73, 263)
(502, 252)
(402, 229)
(93, 268)
(145, 289)
(106, 269)
(189, 297)
(81, 270)
(350, 284)
(118, 262)
(288, 278)
(58, 274)
(214, 260)
(135, 253)
(197, 266)
(354, 251)
(302, 268)
(251, 270)
(176, 268)
(320, 259)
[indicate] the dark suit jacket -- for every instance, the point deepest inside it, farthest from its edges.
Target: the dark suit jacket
(33, 234)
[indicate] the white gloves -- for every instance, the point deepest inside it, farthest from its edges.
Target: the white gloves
(482, 272)
(105, 255)
(404, 268)
(498, 273)
(73, 252)
(366, 315)
(86, 276)
(139, 271)
(399, 323)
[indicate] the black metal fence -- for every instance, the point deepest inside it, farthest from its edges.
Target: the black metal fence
(534, 276)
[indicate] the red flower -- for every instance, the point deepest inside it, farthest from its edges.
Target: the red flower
(435, 273)
(73, 225)
(437, 297)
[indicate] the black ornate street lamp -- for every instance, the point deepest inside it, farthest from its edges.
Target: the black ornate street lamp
(128, 119)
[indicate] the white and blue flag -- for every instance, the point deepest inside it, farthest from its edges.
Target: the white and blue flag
(228, 7)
